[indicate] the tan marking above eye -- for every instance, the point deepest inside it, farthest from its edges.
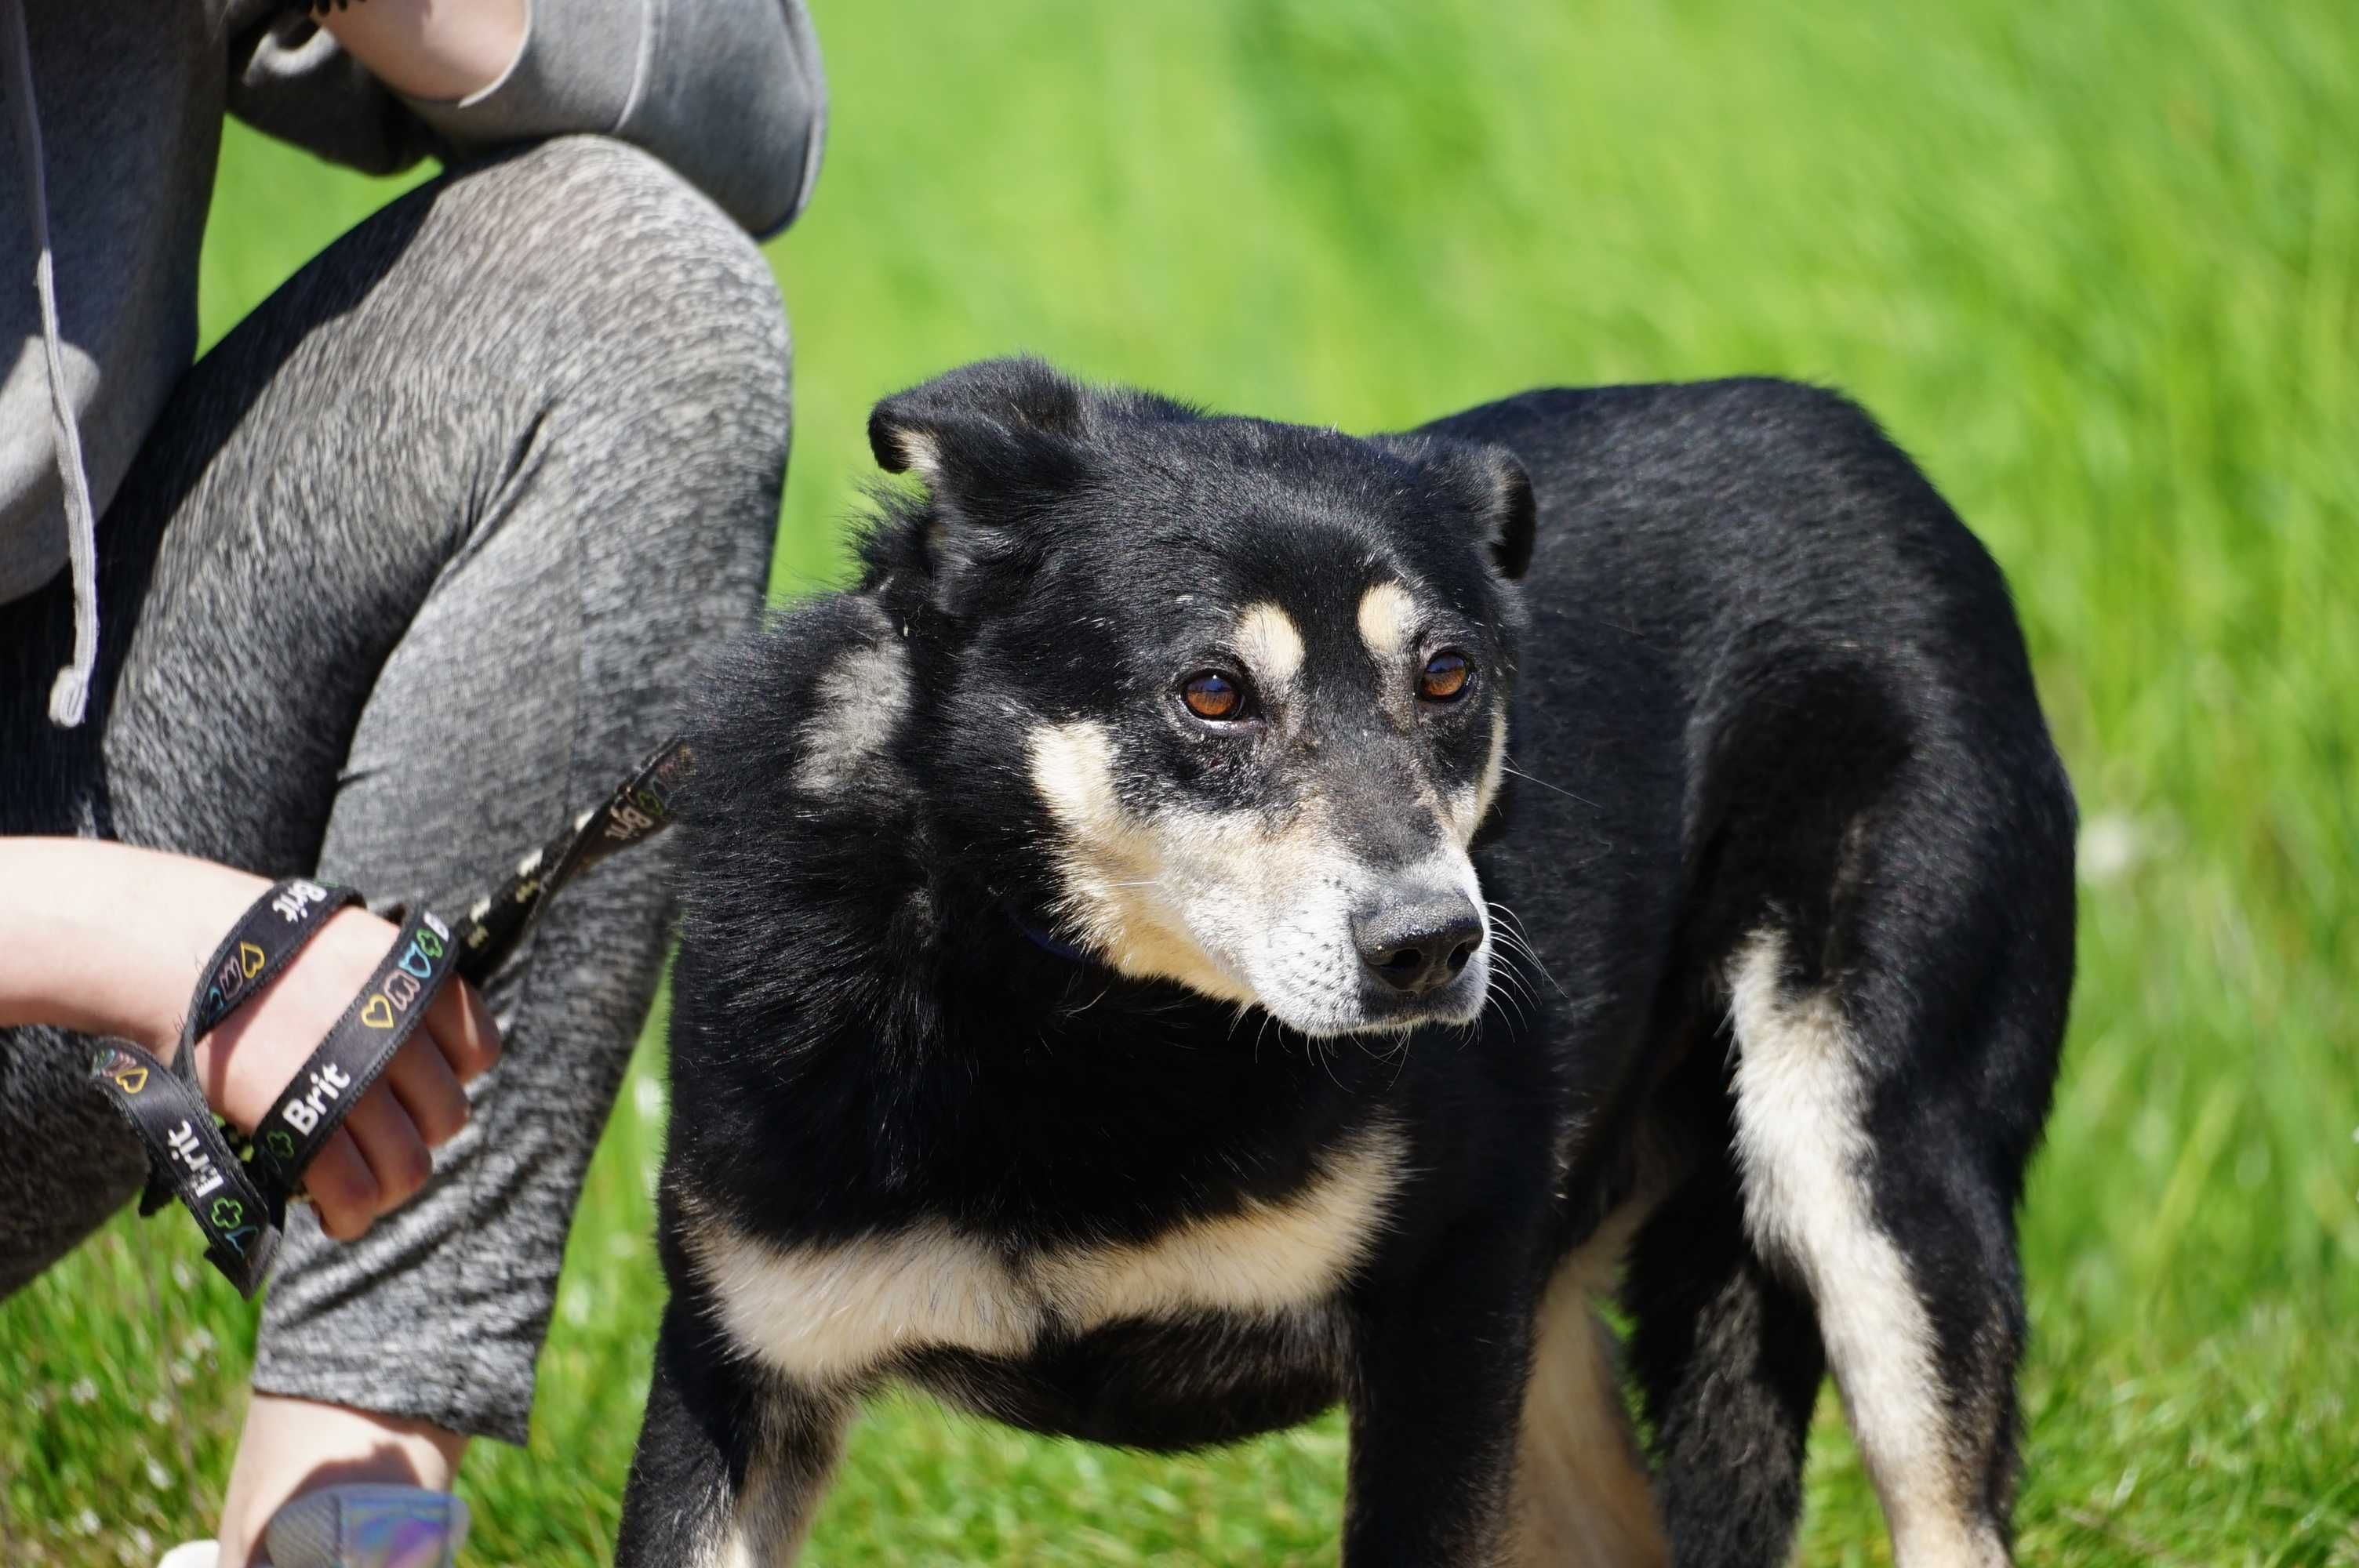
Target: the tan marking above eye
(1271, 646)
(1387, 619)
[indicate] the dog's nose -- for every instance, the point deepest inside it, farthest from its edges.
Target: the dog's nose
(1419, 945)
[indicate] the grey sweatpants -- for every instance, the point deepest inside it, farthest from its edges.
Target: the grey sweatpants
(415, 565)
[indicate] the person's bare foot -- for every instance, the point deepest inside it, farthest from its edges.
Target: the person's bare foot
(293, 1446)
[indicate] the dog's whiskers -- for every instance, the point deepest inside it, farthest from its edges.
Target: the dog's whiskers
(1517, 988)
(1077, 1012)
(1326, 1060)
(1512, 995)
(1519, 991)
(1513, 931)
(1511, 768)
(1508, 950)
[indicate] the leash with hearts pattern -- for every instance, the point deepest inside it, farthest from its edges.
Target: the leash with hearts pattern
(237, 1189)
(189, 1155)
(380, 1021)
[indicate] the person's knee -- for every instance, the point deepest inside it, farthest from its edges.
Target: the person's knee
(641, 276)
(659, 326)
(629, 212)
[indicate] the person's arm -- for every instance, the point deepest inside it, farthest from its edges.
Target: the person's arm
(433, 49)
(728, 92)
(107, 939)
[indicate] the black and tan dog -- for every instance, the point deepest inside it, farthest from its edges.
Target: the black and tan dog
(1230, 917)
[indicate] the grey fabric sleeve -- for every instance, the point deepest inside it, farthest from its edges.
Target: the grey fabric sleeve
(729, 92)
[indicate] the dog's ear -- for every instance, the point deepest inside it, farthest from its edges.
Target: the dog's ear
(1513, 511)
(996, 444)
(1491, 483)
(985, 437)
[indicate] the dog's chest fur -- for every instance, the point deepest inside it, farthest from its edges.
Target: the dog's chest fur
(827, 1314)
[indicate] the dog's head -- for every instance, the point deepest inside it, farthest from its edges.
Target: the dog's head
(1218, 700)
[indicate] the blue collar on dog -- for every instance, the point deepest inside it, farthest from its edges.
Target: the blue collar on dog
(1045, 942)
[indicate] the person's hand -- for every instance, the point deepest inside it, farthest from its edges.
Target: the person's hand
(382, 1154)
(108, 939)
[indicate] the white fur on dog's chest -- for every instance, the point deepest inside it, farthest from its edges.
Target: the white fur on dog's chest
(828, 1313)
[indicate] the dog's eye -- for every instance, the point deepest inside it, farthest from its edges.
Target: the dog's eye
(1444, 677)
(1210, 694)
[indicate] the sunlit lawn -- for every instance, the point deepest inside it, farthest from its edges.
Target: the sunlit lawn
(2096, 265)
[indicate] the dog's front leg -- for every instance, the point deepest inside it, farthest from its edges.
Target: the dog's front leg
(1440, 1360)
(731, 1459)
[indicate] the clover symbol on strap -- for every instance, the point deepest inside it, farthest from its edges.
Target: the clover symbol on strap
(228, 1212)
(281, 1142)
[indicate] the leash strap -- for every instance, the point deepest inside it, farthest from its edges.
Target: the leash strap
(268, 933)
(189, 1155)
(239, 1198)
(380, 1021)
(188, 1158)
(641, 808)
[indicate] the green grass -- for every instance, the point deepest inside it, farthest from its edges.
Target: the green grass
(2095, 265)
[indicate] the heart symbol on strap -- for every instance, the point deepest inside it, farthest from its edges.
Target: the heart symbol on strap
(378, 1013)
(130, 1080)
(429, 943)
(250, 957)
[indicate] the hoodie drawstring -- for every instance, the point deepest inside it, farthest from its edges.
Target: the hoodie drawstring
(70, 694)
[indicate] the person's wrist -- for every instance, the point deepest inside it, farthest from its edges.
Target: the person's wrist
(105, 938)
(205, 901)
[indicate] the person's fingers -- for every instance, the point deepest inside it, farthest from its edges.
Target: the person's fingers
(388, 1140)
(463, 1026)
(342, 1188)
(421, 1079)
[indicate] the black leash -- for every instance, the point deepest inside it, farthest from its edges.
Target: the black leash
(188, 1154)
(238, 1190)
(639, 809)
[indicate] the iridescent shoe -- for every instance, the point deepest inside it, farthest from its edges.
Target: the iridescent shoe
(354, 1526)
(369, 1526)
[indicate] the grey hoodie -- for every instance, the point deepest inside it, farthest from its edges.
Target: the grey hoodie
(107, 148)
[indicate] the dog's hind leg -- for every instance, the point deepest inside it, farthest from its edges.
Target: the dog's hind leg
(731, 1465)
(1583, 1498)
(1873, 1177)
(1727, 1357)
